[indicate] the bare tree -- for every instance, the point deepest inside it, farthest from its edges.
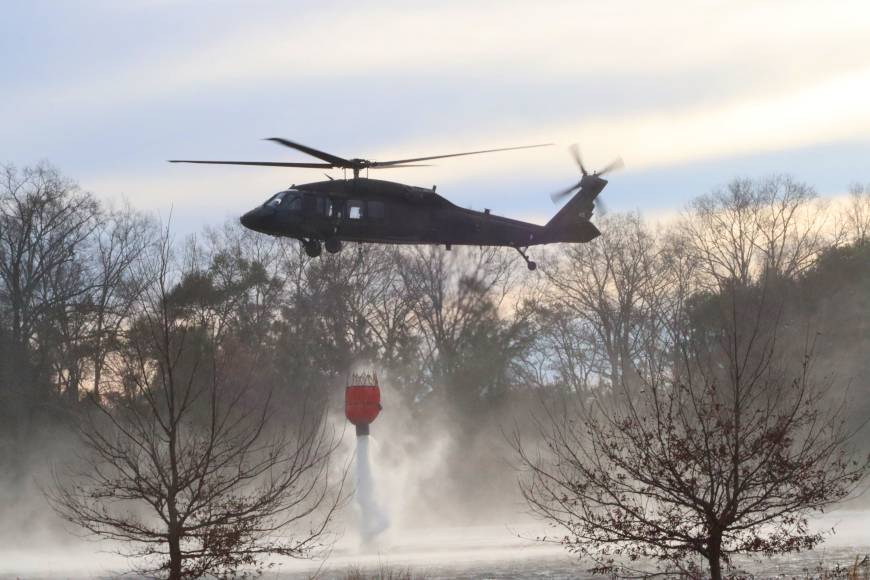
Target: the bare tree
(858, 212)
(82, 332)
(749, 226)
(460, 299)
(183, 467)
(565, 354)
(120, 241)
(45, 227)
(609, 290)
(384, 303)
(726, 449)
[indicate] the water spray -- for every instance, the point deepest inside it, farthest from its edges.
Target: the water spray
(362, 403)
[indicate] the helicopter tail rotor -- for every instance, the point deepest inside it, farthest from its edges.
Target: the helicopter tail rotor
(578, 159)
(590, 180)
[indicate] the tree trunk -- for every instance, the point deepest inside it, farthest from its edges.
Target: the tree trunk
(74, 382)
(98, 360)
(714, 557)
(715, 568)
(174, 556)
(174, 538)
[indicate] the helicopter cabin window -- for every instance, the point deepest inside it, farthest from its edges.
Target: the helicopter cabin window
(321, 204)
(354, 209)
(376, 210)
(308, 203)
(333, 208)
(313, 204)
(293, 203)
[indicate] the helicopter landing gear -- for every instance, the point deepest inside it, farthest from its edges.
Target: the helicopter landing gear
(312, 248)
(532, 266)
(332, 245)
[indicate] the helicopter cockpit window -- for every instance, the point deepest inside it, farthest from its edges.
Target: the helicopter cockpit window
(275, 200)
(354, 209)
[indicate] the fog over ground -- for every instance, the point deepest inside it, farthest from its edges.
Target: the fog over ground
(472, 349)
(436, 526)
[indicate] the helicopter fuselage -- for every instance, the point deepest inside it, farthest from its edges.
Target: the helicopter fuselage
(375, 211)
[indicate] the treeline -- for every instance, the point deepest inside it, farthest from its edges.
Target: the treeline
(465, 337)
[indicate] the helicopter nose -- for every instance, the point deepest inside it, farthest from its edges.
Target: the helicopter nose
(250, 220)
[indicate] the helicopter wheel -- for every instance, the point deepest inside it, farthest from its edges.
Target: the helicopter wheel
(332, 245)
(312, 248)
(532, 266)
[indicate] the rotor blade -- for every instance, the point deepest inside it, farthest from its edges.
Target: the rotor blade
(575, 152)
(399, 161)
(559, 195)
(601, 206)
(261, 163)
(334, 159)
(614, 165)
(399, 166)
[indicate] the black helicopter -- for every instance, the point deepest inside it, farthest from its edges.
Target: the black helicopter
(375, 211)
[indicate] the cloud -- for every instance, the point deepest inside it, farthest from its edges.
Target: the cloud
(794, 42)
(663, 84)
(830, 111)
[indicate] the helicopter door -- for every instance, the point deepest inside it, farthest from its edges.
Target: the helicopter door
(314, 214)
(309, 203)
(375, 210)
(315, 206)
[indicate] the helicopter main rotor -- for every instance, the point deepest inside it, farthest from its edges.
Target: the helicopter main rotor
(356, 165)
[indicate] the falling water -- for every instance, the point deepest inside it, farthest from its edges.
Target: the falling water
(373, 520)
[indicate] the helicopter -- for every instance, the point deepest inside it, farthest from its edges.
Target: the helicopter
(326, 214)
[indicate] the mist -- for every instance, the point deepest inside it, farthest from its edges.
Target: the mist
(470, 348)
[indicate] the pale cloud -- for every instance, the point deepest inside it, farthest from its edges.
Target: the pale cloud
(792, 43)
(831, 111)
(230, 189)
(828, 111)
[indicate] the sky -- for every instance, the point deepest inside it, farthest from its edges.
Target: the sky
(689, 94)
